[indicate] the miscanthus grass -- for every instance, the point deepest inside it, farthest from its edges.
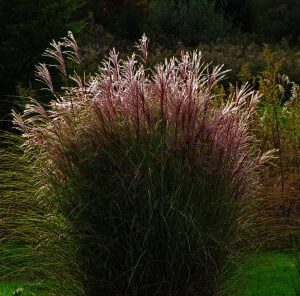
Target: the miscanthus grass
(132, 181)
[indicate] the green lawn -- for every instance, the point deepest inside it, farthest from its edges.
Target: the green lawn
(268, 274)
(22, 288)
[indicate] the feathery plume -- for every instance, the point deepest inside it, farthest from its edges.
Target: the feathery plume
(55, 52)
(43, 75)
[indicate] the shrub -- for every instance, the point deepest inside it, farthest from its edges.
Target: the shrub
(277, 118)
(189, 21)
(150, 172)
(277, 128)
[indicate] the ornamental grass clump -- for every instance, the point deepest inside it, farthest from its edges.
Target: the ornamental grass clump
(148, 169)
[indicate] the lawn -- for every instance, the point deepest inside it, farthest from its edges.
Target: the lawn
(23, 288)
(268, 274)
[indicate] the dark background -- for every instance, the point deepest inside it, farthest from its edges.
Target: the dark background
(28, 26)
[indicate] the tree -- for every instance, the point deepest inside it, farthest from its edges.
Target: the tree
(124, 18)
(190, 21)
(269, 20)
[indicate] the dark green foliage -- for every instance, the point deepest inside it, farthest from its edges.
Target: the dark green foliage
(270, 20)
(144, 180)
(274, 20)
(27, 27)
(190, 21)
(123, 18)
(152, 222)
(238, 12)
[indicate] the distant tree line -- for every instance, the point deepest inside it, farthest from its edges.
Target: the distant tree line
(268, 20)
(27, 26)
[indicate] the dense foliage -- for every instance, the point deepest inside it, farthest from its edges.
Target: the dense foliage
(144, 177)
(188, 21)
(270, 20)
(146, 171)
(124, 18)
(28, 26)
(26, 29)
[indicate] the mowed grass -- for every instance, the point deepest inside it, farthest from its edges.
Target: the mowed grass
(267, 274)
(23, 288)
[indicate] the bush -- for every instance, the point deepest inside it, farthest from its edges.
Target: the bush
(149, 172)
(277, 128)
(189, 21)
